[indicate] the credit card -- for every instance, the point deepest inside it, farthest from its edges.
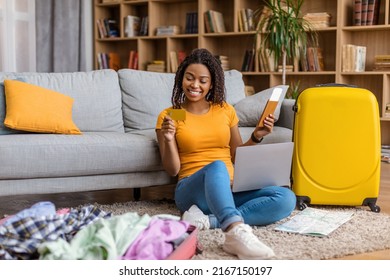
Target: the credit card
(177, 114)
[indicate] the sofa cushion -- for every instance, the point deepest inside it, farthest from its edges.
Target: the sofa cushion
(97, 97)
(235, 87)
(93, 153)
(250, 108)
(37, 109)
(146, 94)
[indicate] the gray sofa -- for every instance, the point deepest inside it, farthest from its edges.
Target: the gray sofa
(116, 112)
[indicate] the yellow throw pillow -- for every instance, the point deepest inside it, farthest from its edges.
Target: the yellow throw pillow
(37, 109)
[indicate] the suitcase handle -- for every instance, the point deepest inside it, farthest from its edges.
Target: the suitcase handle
(335, 85)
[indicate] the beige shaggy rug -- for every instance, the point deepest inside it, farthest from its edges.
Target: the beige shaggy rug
(365, 232)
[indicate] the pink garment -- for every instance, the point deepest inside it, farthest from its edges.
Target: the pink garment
(63, 211)
(154, 243)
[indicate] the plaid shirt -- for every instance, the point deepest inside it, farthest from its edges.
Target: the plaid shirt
(21, 239)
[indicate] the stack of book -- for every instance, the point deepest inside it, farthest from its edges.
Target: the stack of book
(382, 62)
(318, 20)
(224, 60)
(168, 30)
(156, 66)
(366, 12)
(353, 58)
(246, 20)
(214, 22)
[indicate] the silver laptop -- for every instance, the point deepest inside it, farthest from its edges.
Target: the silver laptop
(258, 166)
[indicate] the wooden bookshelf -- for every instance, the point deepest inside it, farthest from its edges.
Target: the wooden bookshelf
(234, 43)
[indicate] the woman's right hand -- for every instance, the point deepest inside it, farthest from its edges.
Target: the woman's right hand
(168, 129)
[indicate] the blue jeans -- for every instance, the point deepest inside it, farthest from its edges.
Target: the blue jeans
(209, 188)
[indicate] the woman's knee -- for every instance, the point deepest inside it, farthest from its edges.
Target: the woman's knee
(288, 199)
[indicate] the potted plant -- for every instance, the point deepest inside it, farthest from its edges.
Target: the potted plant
(283, 30)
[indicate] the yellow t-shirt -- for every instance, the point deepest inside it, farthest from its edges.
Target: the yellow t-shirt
(203, 139)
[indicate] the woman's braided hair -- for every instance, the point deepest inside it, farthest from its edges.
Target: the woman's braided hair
(216, 95)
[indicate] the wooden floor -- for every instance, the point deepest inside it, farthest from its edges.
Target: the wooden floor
(10, 205)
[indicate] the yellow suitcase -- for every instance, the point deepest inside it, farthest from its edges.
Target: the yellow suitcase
(336, 158)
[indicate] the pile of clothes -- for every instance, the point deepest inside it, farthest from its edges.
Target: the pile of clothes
(88, 233)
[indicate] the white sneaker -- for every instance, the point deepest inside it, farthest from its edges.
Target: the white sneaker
(241, 241)
(196, 217)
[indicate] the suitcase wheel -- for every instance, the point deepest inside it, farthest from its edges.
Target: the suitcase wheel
(374, 208)
(302, 206)
(371, 202)
(302, 202)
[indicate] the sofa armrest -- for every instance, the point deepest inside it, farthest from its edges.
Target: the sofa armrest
(286, 117)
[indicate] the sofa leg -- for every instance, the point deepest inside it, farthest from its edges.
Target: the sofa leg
(137, 193)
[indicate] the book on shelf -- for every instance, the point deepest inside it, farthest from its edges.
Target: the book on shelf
(263, 16)
(248, 61)
(266, 60)
(112, 27)
(132, 26)
(101, 28)
(191, 26)
(114, 61)
(174, 61)
(353, 58)
(246, 20)
(214, 22)
(315, 222)
(109, 60)
(168, 30)
(107, 28)
(176, 58)
(312, 59)
(133, 60)
(357, 13)
(143, 31)
(366, 12)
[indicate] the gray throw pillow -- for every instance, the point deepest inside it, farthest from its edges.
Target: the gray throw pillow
(3, 129)
(145, 94)
(250, 108)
